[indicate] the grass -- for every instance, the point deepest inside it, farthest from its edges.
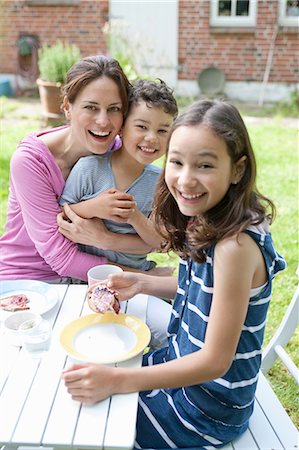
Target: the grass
(277, 160)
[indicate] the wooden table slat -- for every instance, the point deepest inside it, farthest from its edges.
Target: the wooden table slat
(8, 354)
(90, 417)
(91, 425)
(16, 387)
(41, 396)
(62, 421)
(120, 407)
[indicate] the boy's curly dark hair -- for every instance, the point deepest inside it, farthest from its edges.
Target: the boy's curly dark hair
(242, 205)
(154, 93)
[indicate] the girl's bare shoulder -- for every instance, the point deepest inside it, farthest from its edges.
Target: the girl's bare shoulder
(243, 254)
(237, 243)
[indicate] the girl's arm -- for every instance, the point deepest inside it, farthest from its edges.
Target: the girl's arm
(237, 268)
(129, 284)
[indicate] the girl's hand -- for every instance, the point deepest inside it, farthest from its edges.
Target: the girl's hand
(113, 205)
(128, 284)
(82, 231)
(125, 284)
(91, 304)
(89, 383)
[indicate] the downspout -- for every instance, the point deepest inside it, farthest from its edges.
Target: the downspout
(268, 66)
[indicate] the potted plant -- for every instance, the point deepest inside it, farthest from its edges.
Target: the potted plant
(53, 64)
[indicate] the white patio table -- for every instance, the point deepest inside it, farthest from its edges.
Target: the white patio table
(35, 408)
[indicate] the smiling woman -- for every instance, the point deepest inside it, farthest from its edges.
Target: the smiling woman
(95, 100)
(95, 117)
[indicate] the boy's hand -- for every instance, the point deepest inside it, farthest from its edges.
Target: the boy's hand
(114, 205)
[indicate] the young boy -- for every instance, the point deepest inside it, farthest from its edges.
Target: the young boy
(119, 187)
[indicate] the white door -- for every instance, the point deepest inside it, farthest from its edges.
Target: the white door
(150, 28)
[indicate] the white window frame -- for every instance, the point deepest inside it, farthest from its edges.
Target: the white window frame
(233, 21)
(283, 19)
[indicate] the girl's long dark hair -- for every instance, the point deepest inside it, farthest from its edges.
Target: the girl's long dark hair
(242, 205)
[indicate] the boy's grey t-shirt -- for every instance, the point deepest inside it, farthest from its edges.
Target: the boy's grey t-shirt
(93, 175)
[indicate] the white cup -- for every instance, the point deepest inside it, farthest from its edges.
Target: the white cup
(35, 337)
(100, 273)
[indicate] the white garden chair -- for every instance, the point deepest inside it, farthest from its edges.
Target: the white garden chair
(275, 349)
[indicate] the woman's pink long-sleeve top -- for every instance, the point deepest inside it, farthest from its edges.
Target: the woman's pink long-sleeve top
(32, 247)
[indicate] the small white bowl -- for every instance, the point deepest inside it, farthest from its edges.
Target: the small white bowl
(12, 323)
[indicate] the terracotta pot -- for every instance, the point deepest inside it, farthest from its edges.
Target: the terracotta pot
(50, 97)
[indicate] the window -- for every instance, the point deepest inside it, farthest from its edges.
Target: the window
(230, 13)
(289, 13)
(52, 2)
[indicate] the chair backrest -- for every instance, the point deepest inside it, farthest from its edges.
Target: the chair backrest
(275, 348)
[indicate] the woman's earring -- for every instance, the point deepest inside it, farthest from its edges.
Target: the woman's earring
(234, 182)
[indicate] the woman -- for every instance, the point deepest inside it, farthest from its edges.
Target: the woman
(95, 103)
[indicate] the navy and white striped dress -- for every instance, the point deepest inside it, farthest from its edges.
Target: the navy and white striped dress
(207, 415)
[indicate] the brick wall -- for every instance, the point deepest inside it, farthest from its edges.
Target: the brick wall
(240, 53)
(78, 22)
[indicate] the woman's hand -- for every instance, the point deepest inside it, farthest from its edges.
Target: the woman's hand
(89, 383)
(83, 231)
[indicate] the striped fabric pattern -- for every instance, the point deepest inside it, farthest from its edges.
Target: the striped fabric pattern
(208, 415)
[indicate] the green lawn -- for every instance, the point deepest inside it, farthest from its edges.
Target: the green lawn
(277, 159)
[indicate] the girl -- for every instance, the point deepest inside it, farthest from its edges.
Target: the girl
(198, 392)
(95, 104)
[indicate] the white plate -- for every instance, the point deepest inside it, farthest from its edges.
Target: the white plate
(105, 338)
(42, 296)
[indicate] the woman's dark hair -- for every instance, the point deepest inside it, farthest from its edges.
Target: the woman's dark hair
(242, 205)
(154, 93)
(93, 67)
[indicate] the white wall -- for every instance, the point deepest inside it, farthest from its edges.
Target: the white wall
(244, 91)
(152, 28)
